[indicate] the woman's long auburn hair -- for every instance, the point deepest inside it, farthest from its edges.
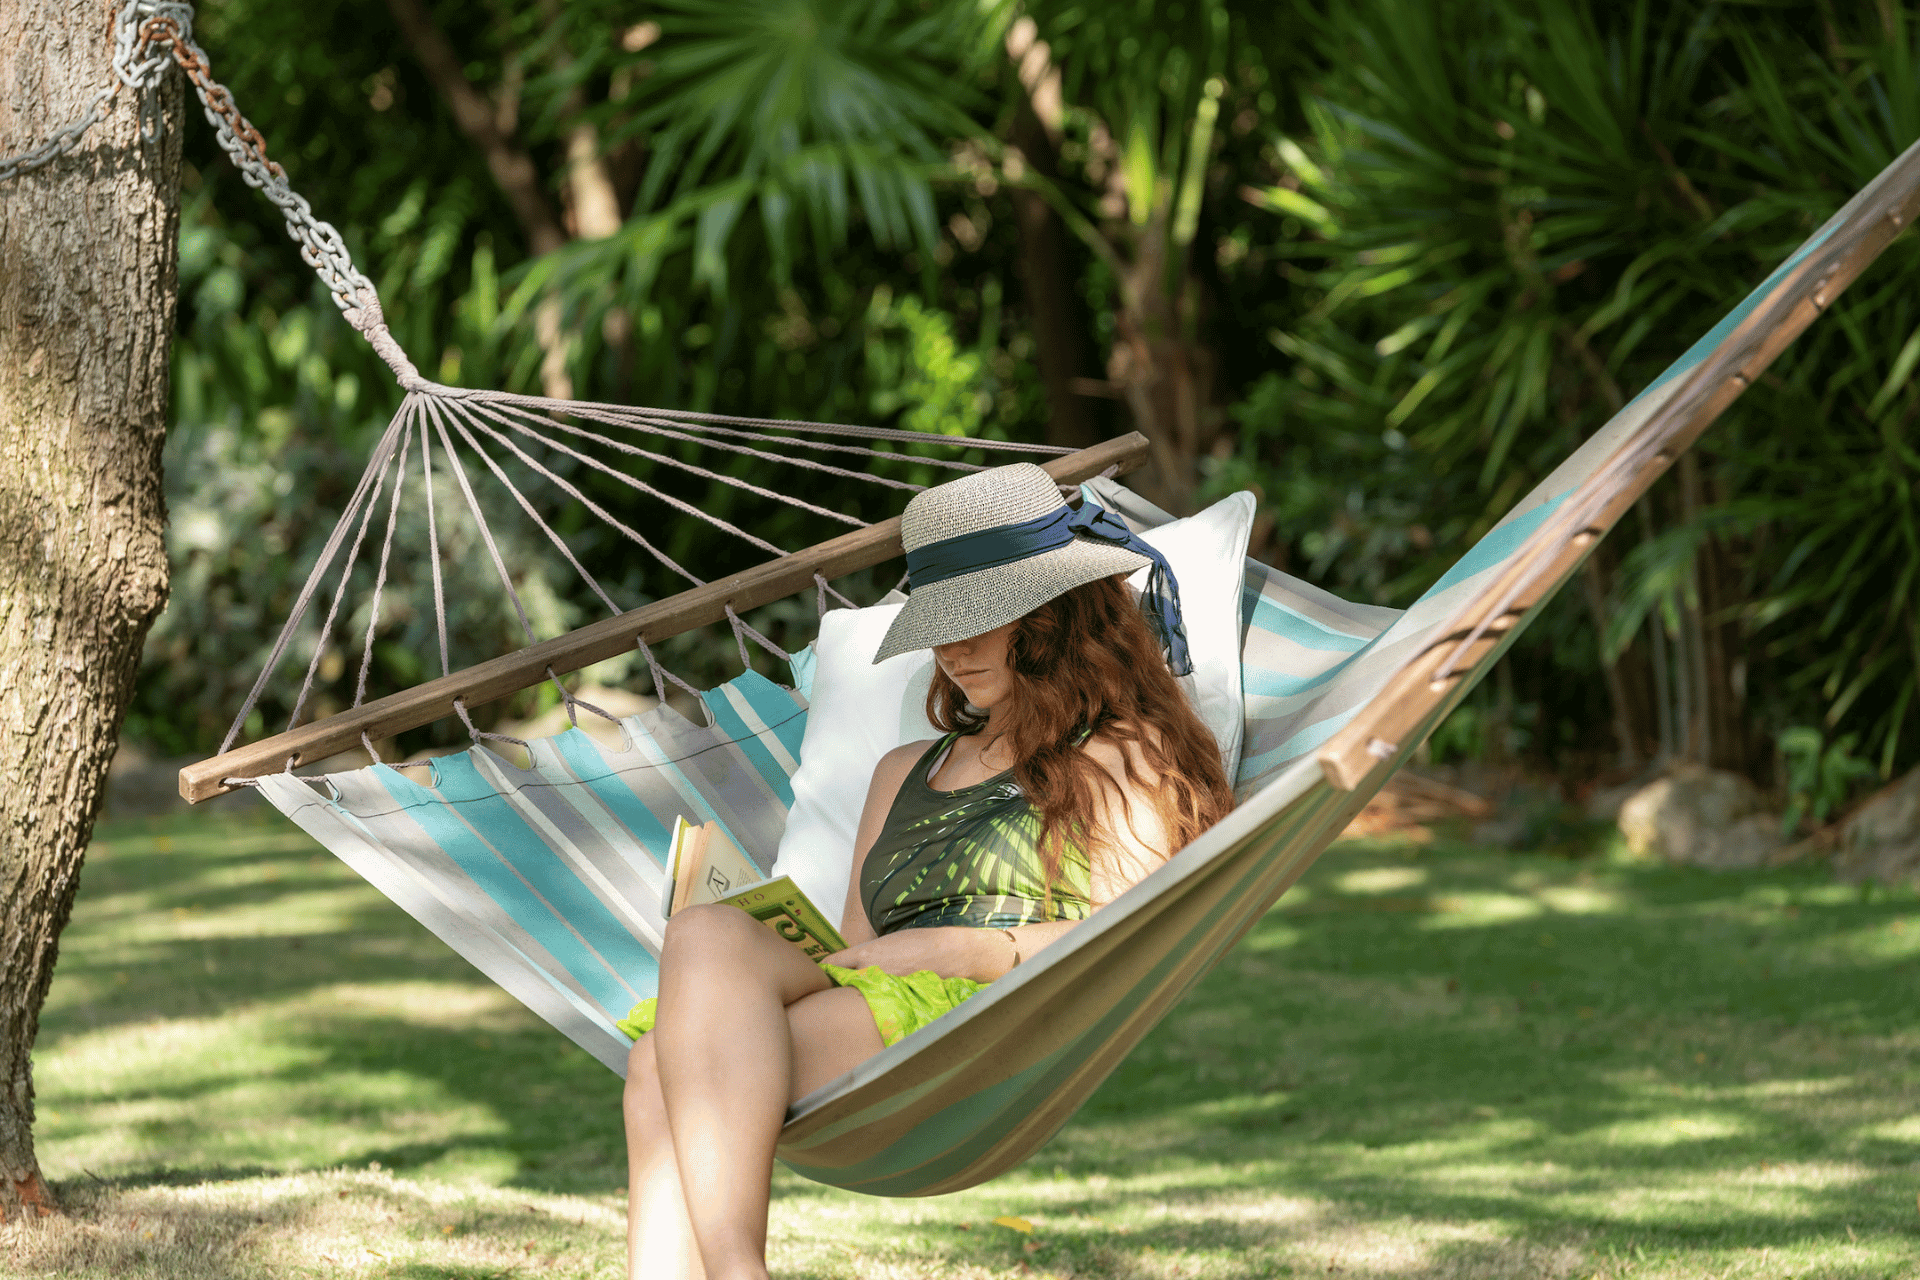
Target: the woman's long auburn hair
(1087, 661)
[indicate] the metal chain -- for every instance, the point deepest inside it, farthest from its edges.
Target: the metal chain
(133, 68)
(128, 73)
(147, 36)
(320, 245)
(63, 140)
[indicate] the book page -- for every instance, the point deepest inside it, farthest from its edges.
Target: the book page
(684, 857)
(723, 869)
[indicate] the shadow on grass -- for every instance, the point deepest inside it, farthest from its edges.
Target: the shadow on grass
(1600, 1056)
(253, 1223)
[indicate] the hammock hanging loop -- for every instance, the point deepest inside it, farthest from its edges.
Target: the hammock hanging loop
(150, 35)
(367, 316)
(169, 27)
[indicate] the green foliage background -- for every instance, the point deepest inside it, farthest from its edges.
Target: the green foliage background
(1436, 246)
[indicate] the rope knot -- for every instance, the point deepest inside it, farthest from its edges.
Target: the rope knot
(366, 316)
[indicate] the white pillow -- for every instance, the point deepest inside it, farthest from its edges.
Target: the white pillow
(1207, 553)
(857, 712)
(860, 710)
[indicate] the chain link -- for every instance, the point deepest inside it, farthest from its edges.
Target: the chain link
(133, 68)
(148, 35)
(63, 140)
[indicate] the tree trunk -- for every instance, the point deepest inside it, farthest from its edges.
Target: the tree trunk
(513, 170)
(87, 260)
(1167, 377)
(1634, 686)
(1729, 736)
(1059, 323)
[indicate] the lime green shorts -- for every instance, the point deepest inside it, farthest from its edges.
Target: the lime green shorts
(901, 1004)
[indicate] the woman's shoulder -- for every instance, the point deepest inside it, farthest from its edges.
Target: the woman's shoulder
(1122, 751)
(888, 777)
(896, 764)
(903, 756)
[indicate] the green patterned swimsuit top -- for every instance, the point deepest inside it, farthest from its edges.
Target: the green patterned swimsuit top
(966, 857)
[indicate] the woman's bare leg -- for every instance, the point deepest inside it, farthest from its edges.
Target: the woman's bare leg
(831, 1032)
(727, 1062)
(656, 1209)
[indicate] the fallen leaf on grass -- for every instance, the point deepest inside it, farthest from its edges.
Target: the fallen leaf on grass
(1033, 1246)
(1014, 1224)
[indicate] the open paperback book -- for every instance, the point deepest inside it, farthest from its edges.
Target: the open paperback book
(705, 865)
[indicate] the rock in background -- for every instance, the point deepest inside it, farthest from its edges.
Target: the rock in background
(1881, 839)
(1702, 818)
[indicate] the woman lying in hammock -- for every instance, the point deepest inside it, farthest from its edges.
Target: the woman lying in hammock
(1070, 767)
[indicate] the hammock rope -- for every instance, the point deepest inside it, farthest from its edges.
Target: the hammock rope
(149, 35)
(450, 422)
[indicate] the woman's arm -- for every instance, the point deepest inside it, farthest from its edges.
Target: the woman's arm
(1137, 840)
(887, 777)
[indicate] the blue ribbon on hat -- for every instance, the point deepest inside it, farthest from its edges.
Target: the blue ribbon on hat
(1009, 543)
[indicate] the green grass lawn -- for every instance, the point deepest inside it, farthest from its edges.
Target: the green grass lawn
(1429, 1061)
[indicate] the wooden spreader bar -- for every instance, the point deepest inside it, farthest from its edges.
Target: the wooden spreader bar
(598, 641)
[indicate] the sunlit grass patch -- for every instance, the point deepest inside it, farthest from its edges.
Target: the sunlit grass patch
(336, 1222)
(1431, 1061)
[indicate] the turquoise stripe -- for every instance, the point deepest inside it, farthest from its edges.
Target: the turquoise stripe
(803, 664)
(1713, 337)
(1298, 745)
(583, 757)
(1497, 546)
(777, 709)
(1262, 683)
(1276, 619)
(546, 876)
(645, 985)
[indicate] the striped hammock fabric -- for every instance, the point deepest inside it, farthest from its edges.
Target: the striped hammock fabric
(547, 878)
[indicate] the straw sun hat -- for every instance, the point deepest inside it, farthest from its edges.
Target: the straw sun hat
(986, 518)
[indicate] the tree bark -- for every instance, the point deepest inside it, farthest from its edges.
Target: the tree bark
(1167, 377)
(1059, 321)
(87, 280)
(1060, 324)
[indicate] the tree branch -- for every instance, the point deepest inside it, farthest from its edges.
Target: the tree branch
(512, 168)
